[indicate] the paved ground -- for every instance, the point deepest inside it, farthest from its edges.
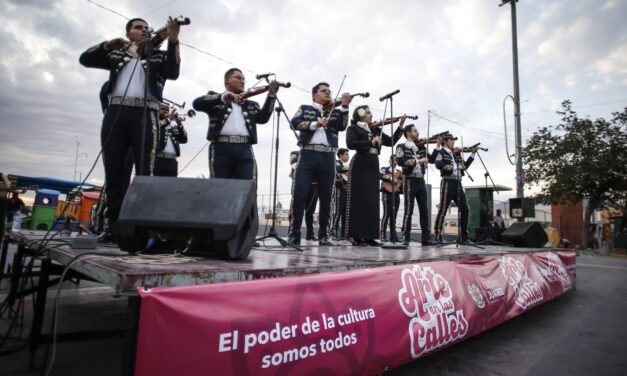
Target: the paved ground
(581, 333)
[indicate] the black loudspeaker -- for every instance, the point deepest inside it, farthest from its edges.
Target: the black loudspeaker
(212, 217)
(525, 234)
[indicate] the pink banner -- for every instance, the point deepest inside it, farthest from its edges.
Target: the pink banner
(355, 322)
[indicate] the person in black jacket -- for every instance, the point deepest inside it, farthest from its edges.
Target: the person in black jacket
(233, 127)
(362, 209)
(129, 74)
(390, 200)
(414, 160)
(171, 134)
(452, 166)
(318, 125)
(339, 194)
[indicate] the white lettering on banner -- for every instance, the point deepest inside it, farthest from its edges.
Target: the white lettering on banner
(230, 341)
(427, 298)
(528, 293)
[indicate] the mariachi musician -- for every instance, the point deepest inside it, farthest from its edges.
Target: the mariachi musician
(318, 124)
(362, 211)
(413, 158)
(339, 194)
(130, 72)
(451, 164)
(171, 134)
(233, 123)
(391, 181)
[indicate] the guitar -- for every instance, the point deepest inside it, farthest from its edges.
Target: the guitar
(387, 183)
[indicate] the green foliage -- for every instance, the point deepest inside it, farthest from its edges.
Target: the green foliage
(580, 159)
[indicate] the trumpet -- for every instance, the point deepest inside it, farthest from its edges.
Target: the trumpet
(190, 114)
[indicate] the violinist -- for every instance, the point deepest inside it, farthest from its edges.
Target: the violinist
(450, 162)
(233, 127)
(362, 210)
(413, 158)
(129, 74)
(318, 130)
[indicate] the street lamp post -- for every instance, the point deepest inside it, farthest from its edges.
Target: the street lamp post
(519, 166)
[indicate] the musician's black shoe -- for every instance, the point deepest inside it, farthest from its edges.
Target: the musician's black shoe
(406, 242)
(438, 239)
(373, 243)
(324, 241)
(311, 237)
(106, 237)
(358, 242)
(428, 243)
(256, 244)
(293, 241)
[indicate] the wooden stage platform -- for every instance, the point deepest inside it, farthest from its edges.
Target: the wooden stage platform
(270, 260)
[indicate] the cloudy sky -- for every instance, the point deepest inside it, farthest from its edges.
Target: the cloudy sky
(452, 58)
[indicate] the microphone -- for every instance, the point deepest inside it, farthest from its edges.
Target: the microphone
(389, 95)
(265, 75)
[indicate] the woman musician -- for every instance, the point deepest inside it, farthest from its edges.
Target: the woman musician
(362, 210)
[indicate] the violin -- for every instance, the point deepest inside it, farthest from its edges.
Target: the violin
(392, 120)
(160, 35)
(469, 149)
(260, 90)
(338, 102)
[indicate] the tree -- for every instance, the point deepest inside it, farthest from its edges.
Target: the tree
(580, 159)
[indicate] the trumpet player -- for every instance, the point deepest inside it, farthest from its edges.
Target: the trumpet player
(171, 134)
(122, 126)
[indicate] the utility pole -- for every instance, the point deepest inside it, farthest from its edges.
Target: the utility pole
(76, 160)
(519, 165)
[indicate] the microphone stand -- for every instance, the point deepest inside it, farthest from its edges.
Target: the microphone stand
(272, 234)
(394, 244)
(489, 240)
(148, 49)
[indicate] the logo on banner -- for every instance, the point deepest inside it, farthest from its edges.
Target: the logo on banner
(528, 292)
(558, 270)
(475, 293)
(426, 297)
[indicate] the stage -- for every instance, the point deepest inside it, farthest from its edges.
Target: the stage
(350, 309)
(269, 261)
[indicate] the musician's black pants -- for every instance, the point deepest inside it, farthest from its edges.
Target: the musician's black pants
(116, 139)
(415, 189)
(391, 202)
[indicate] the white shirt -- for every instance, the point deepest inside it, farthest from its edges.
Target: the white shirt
(456, 171)
(235, 124)
(169, 145)
(320, 137)
(137, 80)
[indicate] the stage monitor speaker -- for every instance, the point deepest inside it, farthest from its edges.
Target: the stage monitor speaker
(525, 234)
(211, 217)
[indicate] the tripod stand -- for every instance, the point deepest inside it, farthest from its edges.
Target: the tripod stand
(272, 234)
